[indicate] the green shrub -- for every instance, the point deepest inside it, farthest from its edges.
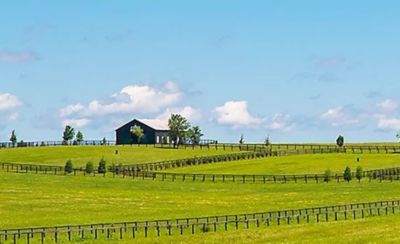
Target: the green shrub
(69, 168)
(102, 166)
(359, 173)
(327, 175)
(347, 174)
(89, 167)
(340, 141)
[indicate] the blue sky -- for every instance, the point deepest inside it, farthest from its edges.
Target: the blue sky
(299, 71)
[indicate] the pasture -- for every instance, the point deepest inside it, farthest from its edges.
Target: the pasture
(298, 164)
(31, 200)
(55, 200)
(80, 155)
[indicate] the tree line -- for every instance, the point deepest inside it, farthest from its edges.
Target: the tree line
(89, 168)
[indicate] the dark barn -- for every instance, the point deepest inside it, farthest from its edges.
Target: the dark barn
(154, 132)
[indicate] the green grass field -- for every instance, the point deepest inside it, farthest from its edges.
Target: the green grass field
(54, 200)
(80, 155)
(298, 164)
(371, 230)
(28, 200)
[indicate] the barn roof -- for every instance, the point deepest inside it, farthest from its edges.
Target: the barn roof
(157, 124)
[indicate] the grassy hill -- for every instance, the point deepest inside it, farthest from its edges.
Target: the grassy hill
(37, 200)
(298, 164)
(80, 155)
(29, 199)
(372, 230)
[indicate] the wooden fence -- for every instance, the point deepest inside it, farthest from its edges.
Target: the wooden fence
(21, 167)
(55, 143)
(193, 225)
(168, 164)
(285, 147)
(224, 146)
(392, 174)
(249, 154)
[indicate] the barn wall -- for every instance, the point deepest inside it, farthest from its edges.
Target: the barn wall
(124, 136)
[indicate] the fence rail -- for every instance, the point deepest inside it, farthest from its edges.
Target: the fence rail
(247, 178)
(250, 154)
(162, 165)
(56, 143)
(391, 174)
(278, 147)
(168, 164)
(193, 225)
(211, 144)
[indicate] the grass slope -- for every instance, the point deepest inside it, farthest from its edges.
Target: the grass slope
(80, 155)
(298, 164)
(37, 200)
(370, 230)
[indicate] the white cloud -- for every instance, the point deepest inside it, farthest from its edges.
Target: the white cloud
(161, 121)
(188, 112)
(15, 57)
(9, 101)
(333, 113)
(388, 105)
(389, 124)
(131, 99)
(282, 122)
(78, 123)
(134, 100)
(338, 117)
(71, 109)
(235, 113)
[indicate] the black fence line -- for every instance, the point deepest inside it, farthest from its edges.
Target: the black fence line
(56, 143)
(167, 164)
(201, 177)
(238, 156)
(248, 178)
(161, 165)
(383, 171)
(261, 147)
(193, 225)
(224, 146)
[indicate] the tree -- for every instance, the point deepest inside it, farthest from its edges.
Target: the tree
(340, 141)
(89, 167)
(359, 173)
(104, 141)
(398, 136)
(102, 166)
(347, 174)
(138, 132)
(267, 142)
(68, 134)
(79, 137)
(69, 168)
(194, 134)
(241, 141)
(178, 126)
(13, 138)
(327, 175)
